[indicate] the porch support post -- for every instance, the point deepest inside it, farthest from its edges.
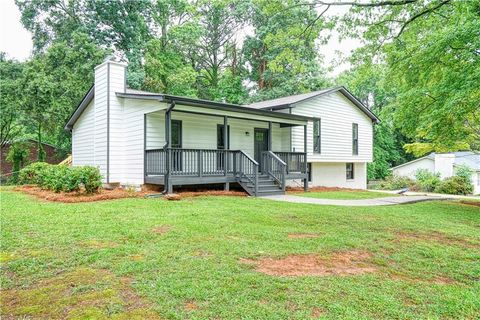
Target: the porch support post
(168, 145)
(144, 148)
(269, 135)
(305, 165)
(225, 152)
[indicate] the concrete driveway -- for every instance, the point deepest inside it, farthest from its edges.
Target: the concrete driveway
(388, 201)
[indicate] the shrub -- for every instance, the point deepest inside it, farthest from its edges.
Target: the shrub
(426, 180)
(396, 182)
(33, 173)
(61, 178)
(90, 177)
(464, 172)
(455, 185)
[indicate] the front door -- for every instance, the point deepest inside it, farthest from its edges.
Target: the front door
(260, 137)
(177, 161)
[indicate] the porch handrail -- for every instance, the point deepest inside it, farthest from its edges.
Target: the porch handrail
(246, 167)
(274, 167)
(295, 161)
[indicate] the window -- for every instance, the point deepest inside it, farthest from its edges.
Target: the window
(355, 139)
(317, 143)
(350, 171)
(309, 166)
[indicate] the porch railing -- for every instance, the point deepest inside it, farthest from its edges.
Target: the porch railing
(295, 161)
(274, 167)
(189, 162)
(155, 162)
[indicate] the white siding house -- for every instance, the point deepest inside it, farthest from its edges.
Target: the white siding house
(446, 164)
(337, 112)
(137, 137)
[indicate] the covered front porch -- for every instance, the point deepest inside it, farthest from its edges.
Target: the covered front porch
(187, 145)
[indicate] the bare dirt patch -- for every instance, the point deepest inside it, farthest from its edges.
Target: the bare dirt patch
(344, 263)
(303, 235)
(471, 203)
(190, 306)
(83, 293)
(161, 229)
(436, 237)
(74, 197)
(317, 312)
(98, 244)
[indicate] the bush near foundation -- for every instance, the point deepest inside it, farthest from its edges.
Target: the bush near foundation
(455, 185)
(60, 178)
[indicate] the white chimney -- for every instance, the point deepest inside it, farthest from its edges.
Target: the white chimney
(110, 78)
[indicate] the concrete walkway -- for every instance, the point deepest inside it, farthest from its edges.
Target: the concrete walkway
(388, 201)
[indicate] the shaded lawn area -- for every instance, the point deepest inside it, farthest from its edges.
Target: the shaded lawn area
(345, 195)
(141, 258)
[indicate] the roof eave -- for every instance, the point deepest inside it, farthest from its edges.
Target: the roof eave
(213, 105)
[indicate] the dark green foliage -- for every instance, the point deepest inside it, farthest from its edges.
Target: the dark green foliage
(426, 180)
(33, 173)
(17, 156)
(61, 178)
(464, 172)
(396, 182)
(89, 177)
(455, 185)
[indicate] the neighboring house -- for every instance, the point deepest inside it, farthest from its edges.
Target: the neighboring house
(51, 155)
(137, 137)
(445, 164)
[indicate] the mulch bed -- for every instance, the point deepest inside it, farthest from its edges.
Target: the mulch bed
(116, 193)
(75, 197)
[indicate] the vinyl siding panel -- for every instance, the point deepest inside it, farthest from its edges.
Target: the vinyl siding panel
(337, 115)
(83, 138)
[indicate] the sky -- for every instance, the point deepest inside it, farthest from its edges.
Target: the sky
(16, 41)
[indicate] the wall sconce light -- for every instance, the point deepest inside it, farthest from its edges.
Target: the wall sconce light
(247, 133)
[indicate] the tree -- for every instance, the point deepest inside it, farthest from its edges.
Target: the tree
(167, 65)
(10, 109)
(119, 26)
(53, 84)
(219, 20)
(430, 49)
(282, 53)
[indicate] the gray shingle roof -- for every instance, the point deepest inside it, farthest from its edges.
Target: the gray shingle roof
(290, 101)
(285, 101)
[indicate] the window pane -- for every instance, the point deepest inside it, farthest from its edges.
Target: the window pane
(349, 171)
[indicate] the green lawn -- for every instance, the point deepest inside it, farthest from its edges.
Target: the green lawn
(135, 258)
(346, 195)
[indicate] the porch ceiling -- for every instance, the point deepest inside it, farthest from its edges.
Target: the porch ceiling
(199, 106)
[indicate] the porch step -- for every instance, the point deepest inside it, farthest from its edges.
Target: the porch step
(266, 186)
